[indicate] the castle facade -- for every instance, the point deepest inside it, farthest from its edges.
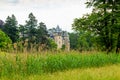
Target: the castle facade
(60, 37)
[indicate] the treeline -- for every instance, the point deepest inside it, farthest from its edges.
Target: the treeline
(27, 37)
(101, 28)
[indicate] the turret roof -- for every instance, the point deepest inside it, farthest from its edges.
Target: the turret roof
(58, 31)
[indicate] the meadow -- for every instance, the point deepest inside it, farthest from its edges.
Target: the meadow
(25, 66)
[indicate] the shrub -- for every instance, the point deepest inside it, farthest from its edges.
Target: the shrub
(5, 41)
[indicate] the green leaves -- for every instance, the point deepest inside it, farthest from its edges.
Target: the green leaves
(103, 22)
(5, 41)
(35, 34)
(51, 45)
(30, 26)
(11, 28)
(42, 34)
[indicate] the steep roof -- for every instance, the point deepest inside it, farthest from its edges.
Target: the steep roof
(58, 31)
(65, 34)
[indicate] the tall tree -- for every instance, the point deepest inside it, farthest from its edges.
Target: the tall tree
(115, 22)
(42, 36)
(1, 24)
(103, 22)
(73, 40)
(11, 28)
(102, 6)
(23, 34)
(31, 26)
(42, 33)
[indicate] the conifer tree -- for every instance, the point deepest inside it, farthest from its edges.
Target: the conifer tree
(11, 28)
(30, 27)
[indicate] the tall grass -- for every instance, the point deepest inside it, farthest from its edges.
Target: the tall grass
(21, 64)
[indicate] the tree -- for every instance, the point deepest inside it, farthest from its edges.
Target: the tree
(5, 41)
(110, 10)
(11, 28)
(85, 41)
(73, 40)
(118, 44)
(42, 36)
(30, 27)
(81, 40)
(42, 33)
(51, 45)
(23, 34)
(1, 24)
(102, 22)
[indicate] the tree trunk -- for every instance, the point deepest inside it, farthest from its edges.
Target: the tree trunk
(118, 44)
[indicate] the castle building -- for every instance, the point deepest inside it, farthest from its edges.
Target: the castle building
(60, 37)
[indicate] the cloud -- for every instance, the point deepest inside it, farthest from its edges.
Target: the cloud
(40, 2)
(9, 1)
(13, 1)
(51, 12)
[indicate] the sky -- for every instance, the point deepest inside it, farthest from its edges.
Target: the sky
(51, 12)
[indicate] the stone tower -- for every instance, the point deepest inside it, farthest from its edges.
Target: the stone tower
(60, 37)
(65, 40)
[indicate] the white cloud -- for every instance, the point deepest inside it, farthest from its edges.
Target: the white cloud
(51, 12)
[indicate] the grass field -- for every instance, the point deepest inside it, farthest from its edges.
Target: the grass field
(90, 66)
(102, 73)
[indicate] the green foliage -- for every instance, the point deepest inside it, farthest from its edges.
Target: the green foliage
(28, 31)
(73, 40)
(82, 40)
(103, 22)
(42, 34)
(28, 37)
(51, 45)
(1, 24)
(35, 35)
(23, 32)
(11, 29)
(30, 27)
(63, 47)
(118, 44)
(85, 41)
(5, 41)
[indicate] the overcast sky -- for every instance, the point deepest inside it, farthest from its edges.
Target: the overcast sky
(51, 12)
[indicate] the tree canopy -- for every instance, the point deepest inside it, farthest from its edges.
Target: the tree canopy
(11, 29)
(103, 23)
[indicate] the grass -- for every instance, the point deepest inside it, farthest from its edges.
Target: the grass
(102, 73)
(14, 66)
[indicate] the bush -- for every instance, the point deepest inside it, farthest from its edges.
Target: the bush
(51, 45)
(5, 41)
